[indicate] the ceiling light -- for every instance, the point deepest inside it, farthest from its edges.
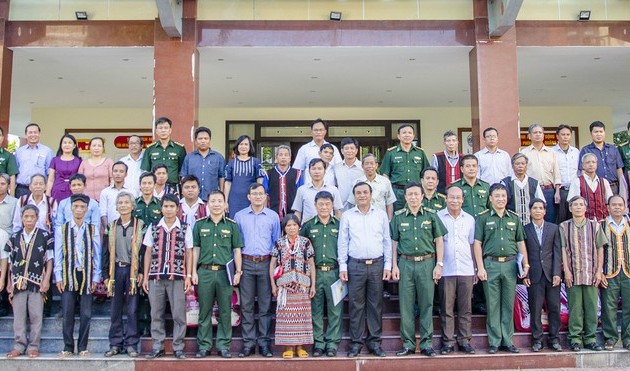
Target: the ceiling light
(584, 15)
(59, 78)
(81, 15)
(563, 76)
(125, 59)
(335, 16)
(597, 58)
(399, 77)
(31, 60)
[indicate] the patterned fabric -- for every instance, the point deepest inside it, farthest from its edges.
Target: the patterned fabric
(617, 253)
(294, 324)
(136, 242)
(596, 200)
(294, 261)
(28, 260)
(69, 273)
(581, 242)
(173, 248)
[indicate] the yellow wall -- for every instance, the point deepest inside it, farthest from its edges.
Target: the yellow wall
(63, 10)
(434, 120)
(611, 10)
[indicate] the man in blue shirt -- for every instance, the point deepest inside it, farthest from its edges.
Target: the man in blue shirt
(64, 209)
(609, 161)
(207, 165)
(32, 158)
(260, 229)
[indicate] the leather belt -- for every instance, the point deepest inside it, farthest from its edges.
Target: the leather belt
(548, 186)
(366, 261)
(256, 259)
(121, 264)
(212, 267)
(417, 258)
(500, 259)
(325, 268)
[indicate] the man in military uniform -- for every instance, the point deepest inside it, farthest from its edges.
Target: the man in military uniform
(165, 151)
(148, 207)
(418, 244)
(323, 231)
(432, 200)
(499, 236)
(215, 239)
(403, 163)
(475, 189)
(624, 151)
(8, 164)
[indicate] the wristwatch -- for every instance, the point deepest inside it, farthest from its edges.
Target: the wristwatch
(441, 264)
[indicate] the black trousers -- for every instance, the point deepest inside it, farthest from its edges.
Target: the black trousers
(537, 294)
(118, 336)
(68, 300)
(255, 283)
(562, 209)
(365, 294)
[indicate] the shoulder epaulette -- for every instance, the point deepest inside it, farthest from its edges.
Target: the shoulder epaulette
(511, 212)
(392, 148)
(623, 144)
(401, 211)
(309, 219)
(484, 212)
(420, 148)
(482, 181)
(153, 144)
(230, 220)
(179, 144)
(428, 210)
(441, 195)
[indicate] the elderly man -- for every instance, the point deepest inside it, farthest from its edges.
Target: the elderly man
(521, 188)
(543, 166)
(596, 190)
(447, 162)
(365, 261)
(609, 162)
(458, 273)
(282, 182)
(383, 196)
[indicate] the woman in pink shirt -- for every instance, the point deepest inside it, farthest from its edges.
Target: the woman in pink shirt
(97, 169)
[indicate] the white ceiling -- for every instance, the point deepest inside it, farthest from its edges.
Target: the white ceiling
(316, 77)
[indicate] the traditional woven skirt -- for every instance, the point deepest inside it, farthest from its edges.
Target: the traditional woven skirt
(294, 324)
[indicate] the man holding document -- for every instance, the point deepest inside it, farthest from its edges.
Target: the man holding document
(215, 239)
(323, 230)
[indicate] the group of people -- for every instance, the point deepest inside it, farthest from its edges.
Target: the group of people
(451, 230)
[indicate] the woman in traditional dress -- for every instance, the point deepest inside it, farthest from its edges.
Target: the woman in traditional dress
(294, 289)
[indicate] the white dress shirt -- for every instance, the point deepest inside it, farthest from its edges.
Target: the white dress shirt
(308, 152)
(107, 202)
(42, 206)
(132, 180)
(568, 164)
(494, 166)
(305, 199)
(382, 191)
(458, 258)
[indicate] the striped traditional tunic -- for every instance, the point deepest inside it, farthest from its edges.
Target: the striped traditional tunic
(294, 323)
(581, 241)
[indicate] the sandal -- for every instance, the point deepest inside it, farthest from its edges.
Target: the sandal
(287, 354)
(84, 353)
(33, 353)
(112, 352)
(14, 353)
(65, 354)
(302, 353)
(132, 352)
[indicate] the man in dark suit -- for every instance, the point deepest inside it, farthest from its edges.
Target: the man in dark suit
(542, 240)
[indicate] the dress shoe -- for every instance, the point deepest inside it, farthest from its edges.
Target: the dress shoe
(318, 352)
(537, 347)
(467, 348)
(575, 347)
(266, 352)
(354, 351)
(112, 352)
(378, 352)
(202, 353)
(155, 354)
(331, 353)
(492, 350)
(132, 352)
(447, 349)
(593, 346)
(429, 352)
(246, 352)
(179, 354)
(405, 352)
(510, 349)
(555, 347)
(224, 353)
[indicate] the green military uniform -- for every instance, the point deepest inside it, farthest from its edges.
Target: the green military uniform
(172, 156)
(624, 151)
(435, 203)
(149, 213)
(415, 235)
(324, 240)
(617, 273)
(475, 197)
(8, 165)
(499, 237)
(401, 168)
(215, 242)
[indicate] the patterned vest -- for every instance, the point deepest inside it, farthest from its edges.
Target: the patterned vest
(201, 212)
(282, 190)
(447, 174)
(617, 253)
(28, 260)
(509, 184)
(69, 267)
(174, 244)
(596, 201)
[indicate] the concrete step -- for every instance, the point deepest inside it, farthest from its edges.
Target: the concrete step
(99, 325)
(54, 343)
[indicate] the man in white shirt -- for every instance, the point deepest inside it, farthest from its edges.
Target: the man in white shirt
(568, 158)
(47, 205)
(311, 149)
(494, 163)
(133, 161)
(347, 171)
(107, 203)
(383, 196)
(458, 274)
(304, 203)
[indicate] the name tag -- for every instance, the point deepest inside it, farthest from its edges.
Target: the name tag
(156, 211)
(417, 158)
(314, 230)
(404, 224)
(511, 224)
(204, 230)
(334, 230)
(226, 231)
(172, 154)
(398, 158)
(489, 223)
